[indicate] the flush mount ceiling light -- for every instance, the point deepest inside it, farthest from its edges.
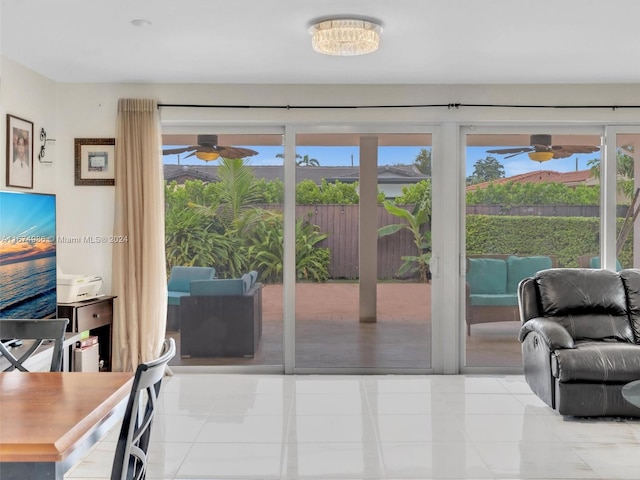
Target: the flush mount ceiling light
(141, 22)
(345, 36)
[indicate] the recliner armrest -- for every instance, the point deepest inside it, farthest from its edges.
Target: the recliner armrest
(552, 333)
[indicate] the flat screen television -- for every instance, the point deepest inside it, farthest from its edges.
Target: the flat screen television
(27, 255)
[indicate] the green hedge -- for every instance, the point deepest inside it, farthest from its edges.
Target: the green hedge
(565, 237)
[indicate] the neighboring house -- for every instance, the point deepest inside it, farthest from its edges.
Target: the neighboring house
(570, 179)
(391, 178)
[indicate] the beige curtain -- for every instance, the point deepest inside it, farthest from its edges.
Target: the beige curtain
(139, 274)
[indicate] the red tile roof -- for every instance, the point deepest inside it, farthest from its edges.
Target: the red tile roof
(541, 176)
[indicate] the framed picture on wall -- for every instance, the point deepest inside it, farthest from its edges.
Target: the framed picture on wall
(95, 161)
(19, 152)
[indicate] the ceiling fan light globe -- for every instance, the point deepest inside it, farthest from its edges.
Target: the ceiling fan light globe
(540, 156)
(207, 156)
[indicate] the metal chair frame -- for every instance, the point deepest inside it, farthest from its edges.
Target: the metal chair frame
(38, 330)
(130, 460)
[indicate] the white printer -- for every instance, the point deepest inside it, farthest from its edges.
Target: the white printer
(75, 288)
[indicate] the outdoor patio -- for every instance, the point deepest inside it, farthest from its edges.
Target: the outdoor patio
(328, 333)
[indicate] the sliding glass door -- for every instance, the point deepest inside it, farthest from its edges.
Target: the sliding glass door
(532, 202)
(223, 209)
(363, 245)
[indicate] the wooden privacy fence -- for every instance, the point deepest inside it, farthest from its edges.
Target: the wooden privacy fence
(341, 223)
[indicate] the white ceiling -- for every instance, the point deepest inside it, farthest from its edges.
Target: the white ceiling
(266, 41)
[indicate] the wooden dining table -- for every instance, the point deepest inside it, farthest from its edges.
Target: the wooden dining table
(49, 421)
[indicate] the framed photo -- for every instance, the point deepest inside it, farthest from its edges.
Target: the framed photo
(19, 152)
(95, 161)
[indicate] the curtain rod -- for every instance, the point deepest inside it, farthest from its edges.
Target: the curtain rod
(435, 105)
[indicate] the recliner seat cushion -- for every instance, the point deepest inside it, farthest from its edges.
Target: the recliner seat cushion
(603, 362)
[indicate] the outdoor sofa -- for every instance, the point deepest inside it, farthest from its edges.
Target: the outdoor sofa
(178, 286)
(492, 285)
(222, 317)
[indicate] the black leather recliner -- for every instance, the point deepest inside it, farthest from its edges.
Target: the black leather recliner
(580, 338)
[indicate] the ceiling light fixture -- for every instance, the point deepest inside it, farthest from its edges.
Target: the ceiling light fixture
(141, 22)
(540, 156)
(345, 36)
(207, 156)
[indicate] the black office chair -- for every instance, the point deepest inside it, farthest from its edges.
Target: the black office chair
(130, 461)
(31, 329)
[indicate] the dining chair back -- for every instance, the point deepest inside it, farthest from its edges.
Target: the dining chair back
(130, 460)
(38, 330)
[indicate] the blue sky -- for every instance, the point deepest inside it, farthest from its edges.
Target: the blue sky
(343, 156)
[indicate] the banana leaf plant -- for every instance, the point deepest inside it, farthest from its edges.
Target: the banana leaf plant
(414, 222)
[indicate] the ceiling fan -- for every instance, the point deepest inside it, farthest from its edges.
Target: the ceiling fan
(541, 149)
(208, 149)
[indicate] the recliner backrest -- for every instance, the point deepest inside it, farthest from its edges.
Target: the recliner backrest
(590, 304)
(631, 280)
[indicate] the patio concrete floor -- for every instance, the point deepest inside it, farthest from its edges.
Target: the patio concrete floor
(329, 334)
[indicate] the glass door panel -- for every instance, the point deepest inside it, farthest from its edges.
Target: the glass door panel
(627, 200)
(227, 214)
(363, 297)
(532, 202)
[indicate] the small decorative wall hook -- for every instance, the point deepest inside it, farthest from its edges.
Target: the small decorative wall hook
(44, 140)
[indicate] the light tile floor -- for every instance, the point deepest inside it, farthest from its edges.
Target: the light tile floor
(223, 426)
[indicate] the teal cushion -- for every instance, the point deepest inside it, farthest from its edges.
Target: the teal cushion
(254, 277)
(519, 268)
(247, 282)
(218, 286)
(487, 275)
(173, 298)
(181, 277)
(492, 300)
(595, 263)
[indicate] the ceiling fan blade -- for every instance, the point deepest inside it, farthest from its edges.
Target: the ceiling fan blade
(516, 150)
(234, 152)
(518, 153)
(564, 151)
(175, 151)
(576, 148)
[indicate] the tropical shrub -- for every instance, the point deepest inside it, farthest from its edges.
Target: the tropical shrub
(266, 250)
(191, 240)
(271, 192)
(549, 193)
(566, 237)
(414, 194)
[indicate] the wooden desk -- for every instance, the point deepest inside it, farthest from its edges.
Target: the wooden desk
(96, 316)
(49, 421)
